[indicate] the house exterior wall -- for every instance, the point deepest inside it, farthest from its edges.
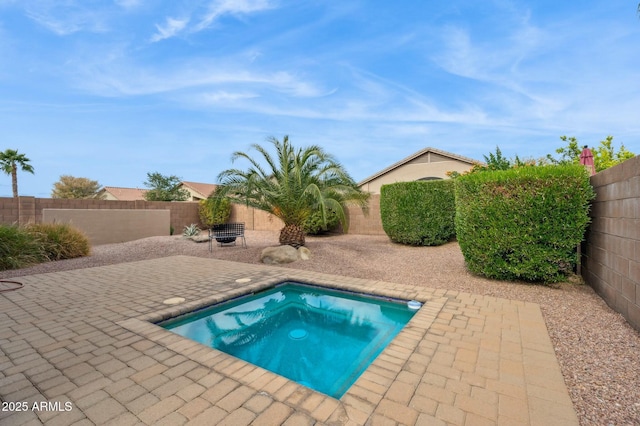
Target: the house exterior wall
(436, 166)
(193, 195)
(611, 251)
(109, 196)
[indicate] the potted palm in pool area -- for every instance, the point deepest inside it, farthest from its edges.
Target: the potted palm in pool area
(292, 185)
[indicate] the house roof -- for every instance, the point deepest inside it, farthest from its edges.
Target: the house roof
(125, 194)
(416, 155)
(203, 189)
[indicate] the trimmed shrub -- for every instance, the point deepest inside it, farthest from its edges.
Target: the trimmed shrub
(18, 248)
(214, 210)
(420, 213)
(523, 223)
(60, 241)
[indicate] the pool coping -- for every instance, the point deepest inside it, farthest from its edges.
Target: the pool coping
(398, 350)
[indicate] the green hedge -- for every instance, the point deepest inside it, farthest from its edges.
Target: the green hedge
(420, 213)
(523, 223)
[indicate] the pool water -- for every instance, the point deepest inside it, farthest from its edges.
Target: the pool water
(321, 338)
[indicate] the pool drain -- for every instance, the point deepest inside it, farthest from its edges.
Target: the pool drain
(298, 334)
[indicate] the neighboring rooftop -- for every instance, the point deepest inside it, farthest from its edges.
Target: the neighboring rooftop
(428, 163)
(122, 194)
(198, 190)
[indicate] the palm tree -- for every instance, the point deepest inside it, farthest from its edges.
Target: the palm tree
(9, 162)
(294, 184)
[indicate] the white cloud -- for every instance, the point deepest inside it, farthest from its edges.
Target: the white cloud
(215, 10)
(226, 97)
(218, 8)
(113, 75)
(169, 29)
(128, 4)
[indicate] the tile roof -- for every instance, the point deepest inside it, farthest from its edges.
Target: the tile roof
(416, 155)
(203, 189)
(125, 194)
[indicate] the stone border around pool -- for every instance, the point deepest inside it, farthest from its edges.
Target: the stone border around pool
(392, 358)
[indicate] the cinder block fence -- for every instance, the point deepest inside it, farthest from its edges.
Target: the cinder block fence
(611, 252)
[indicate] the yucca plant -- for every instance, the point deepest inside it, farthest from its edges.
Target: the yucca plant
(191, 230)
(292, 185)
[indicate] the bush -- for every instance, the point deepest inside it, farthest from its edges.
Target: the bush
(18, 248)
(523, 223)
(314, 226)
(418, 213)
(214, 210)
(60, 241)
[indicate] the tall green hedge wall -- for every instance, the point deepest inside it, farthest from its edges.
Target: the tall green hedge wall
(523, 223)
(418, 213)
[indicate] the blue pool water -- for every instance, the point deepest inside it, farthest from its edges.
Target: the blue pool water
(320, 338)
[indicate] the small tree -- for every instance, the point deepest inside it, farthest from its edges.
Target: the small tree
(164, 188)
(75, 187)
(214, 210)
(604, 155)
(10, 160)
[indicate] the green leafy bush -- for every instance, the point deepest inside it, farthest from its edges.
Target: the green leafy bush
(523, 223)
(18, 248)
(418, 213)
(314, 225)
(214, 210)
(60, 241)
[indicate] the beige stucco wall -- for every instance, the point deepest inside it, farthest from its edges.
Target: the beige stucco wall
(112, 226)
(414, 171)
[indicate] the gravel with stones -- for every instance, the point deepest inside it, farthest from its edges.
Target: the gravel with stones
(598, 351)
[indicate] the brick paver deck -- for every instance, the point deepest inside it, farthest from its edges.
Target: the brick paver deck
(82, 343)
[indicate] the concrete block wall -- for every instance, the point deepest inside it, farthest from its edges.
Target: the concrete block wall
(102, 226)
(611, 251)
(9, 210)
(366, 223)
(27, 210)
(255, 219)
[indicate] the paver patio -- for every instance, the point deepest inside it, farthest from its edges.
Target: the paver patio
(84, 342)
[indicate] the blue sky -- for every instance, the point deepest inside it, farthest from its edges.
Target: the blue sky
(111, 90)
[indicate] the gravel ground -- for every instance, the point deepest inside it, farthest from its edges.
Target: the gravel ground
(599, 353)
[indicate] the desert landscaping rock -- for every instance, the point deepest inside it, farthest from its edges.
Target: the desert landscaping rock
(202, 238)
(304, 253)
(279, 255)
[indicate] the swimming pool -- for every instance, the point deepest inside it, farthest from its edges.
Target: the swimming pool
(321, 338)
